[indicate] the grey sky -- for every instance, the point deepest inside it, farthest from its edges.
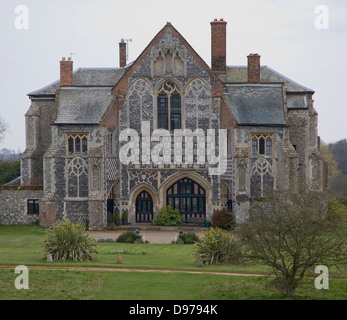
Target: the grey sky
(282, 32)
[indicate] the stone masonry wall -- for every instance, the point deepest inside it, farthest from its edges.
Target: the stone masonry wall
(14, 206)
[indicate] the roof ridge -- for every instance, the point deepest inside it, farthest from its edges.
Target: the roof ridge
(290, 80)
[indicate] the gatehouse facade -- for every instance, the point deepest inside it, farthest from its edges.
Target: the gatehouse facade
(76, 130)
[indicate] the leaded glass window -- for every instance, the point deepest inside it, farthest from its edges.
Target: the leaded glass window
(262, 144)
(169, 107)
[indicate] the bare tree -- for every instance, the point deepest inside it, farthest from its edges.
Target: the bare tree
(293, 232)
(3, 128)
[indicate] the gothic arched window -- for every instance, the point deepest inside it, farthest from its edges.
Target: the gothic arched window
(262, 144)
(77, 143)
(169, 107)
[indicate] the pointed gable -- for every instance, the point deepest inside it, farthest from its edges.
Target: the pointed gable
(168, 53)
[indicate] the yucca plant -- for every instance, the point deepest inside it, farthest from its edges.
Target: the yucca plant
(217, 247)
(69, 241)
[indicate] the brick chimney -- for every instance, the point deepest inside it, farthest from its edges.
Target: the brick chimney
(122, 54)
(218, 45)
(253, 68)
(66, 72)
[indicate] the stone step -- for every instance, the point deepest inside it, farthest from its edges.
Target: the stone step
(148, 227)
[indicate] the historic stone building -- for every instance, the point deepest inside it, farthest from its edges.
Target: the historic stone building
(79, 127)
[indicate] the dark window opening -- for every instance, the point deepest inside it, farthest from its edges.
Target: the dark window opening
(163, 112)
(254, 146)
(175, 112)
(71, 145)
(190, 198)
(261, 146)
(84, 145)
(77, 145)
(268, 147)
(33, 206)
(169, 107)
(144, 207)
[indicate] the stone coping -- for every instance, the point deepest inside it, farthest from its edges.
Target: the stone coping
(21, 188)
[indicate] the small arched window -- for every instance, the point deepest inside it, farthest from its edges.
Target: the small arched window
(169, 107)
(262, 144)
(77, 143)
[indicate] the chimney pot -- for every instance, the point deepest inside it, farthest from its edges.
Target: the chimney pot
(66, 72)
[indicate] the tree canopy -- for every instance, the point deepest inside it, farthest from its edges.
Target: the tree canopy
(293, 232)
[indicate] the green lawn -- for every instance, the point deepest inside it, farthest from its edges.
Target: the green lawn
(20, 245)
(71, 285)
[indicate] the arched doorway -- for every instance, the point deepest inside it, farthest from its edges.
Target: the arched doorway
(190, 198)
(144, 208)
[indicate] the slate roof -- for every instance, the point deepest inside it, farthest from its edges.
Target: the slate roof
(88, 99)
(86, 77)
(256, 105)
(240, 74)
(82, 105)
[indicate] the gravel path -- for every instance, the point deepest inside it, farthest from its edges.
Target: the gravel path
(153, 236)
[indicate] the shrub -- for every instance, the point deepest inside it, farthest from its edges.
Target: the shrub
(217, 247)
(69, 241)
(127, 237)
(222, 219)
(190, 238)
(168, 217)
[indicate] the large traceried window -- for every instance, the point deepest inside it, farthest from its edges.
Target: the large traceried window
(190, 198)
(169, 107)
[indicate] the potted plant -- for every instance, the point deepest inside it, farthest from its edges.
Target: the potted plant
(125, 217)
(207, 224)
(117, 218)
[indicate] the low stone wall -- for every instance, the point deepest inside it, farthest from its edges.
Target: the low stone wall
(14, 204)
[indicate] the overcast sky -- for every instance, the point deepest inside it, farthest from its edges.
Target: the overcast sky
(283, 32)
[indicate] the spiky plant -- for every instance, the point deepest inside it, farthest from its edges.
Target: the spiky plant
(217, 247)
(69, 241)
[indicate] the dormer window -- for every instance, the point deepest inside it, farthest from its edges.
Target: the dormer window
(169, 107)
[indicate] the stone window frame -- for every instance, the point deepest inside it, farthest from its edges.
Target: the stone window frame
(255, 138)
(176, 89)
(33, 208)
(109, 143)
(74, 135)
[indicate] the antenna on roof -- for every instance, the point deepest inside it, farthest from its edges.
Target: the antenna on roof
(72, 53)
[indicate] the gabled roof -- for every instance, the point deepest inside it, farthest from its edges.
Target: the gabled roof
(122, 85)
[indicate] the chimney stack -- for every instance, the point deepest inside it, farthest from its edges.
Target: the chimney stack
(218, 45)
(66, 72)
(253, 68)
(122, 54)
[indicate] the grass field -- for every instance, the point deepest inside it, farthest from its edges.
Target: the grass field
(20, 245)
